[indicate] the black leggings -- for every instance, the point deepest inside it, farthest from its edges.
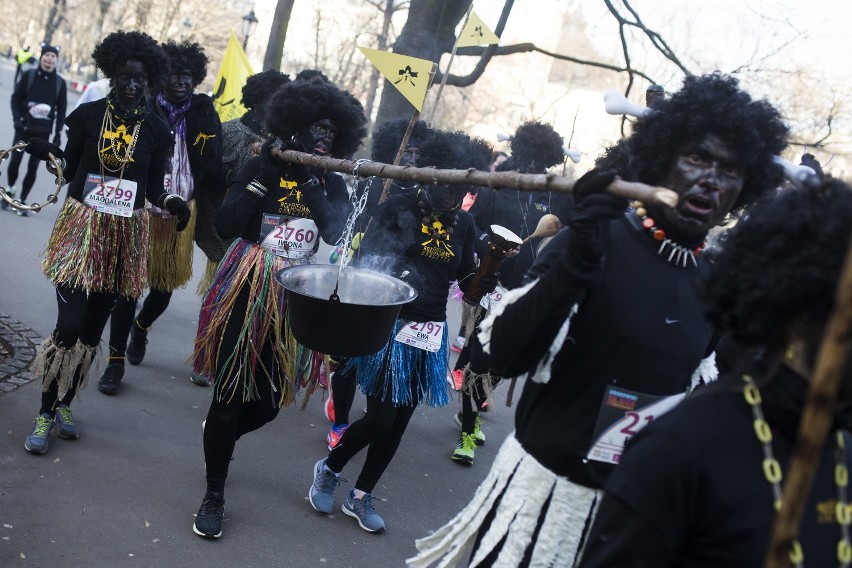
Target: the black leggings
(228, 420)
(82, 316)
(32, 163)
(125, 312)
(343, 392)
(472, 353)
(381, 429)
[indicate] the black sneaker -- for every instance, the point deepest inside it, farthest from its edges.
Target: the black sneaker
(208, 521)
(111, 379)
(138, 340)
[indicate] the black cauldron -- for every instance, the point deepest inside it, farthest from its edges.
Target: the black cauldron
(357, 322)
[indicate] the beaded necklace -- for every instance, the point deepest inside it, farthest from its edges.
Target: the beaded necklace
(432, 223)
(678, 254)
(772, 472)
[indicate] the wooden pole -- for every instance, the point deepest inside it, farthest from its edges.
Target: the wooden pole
(495, 180)
(447, 70)
(816, 422)
(405, 138)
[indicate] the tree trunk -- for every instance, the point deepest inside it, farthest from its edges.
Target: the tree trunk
(429, 32)
(382, 45)
(54, 20)
(275, 47)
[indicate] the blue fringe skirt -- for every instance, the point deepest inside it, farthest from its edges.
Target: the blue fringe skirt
(407, 375)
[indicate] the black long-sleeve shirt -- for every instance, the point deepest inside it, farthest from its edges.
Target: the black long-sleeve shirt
(44, 88)
(242, 212)
(397, 241)
(639, 327)
(147, 167)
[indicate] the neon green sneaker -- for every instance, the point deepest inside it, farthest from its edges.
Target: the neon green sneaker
(478, 434)
(465, 449)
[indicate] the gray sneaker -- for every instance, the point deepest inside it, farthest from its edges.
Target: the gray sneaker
(65, 426)
(39, 438)
(321, 493)
(363, 510)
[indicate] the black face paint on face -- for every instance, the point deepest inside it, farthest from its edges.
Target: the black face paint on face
(129, 83)
(178, 86)
(409, 156)
(708, 177)
(444, 197)
(319, 137)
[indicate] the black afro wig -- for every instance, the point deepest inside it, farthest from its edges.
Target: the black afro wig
(261, 87)
(780, 264)
(616, 157)
(388, 136)
(455, 151)
(119, 47)
(299, 104)
(537, 144)
(187, 55)
(308, 74)
(711, 104)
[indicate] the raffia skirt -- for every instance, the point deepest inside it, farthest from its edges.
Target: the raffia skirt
(249, 269)
(98, 252)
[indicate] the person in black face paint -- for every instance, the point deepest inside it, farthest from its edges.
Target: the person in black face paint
(611, 330)
(424, 237)
(276, 212)
(193, 170)
(115, 159)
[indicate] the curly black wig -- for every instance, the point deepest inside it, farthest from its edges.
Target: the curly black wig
(388, 136)
(187, 55)
(298, 104)
(308, 74)
(120, 47)
(711, 104)
(616, 157)
(261, 86)
(780, 264)
(534, 143)
(454, 151)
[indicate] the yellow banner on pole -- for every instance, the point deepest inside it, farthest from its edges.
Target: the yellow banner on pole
(409, 75)
(475, 32)
(232, 77)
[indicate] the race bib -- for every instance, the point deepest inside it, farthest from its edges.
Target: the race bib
(288, 237)
(110, 195)
(427, 335)
(490, 301)
(40, 110)
(623, 414)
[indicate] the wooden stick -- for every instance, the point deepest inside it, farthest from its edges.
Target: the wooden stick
(648, 194)
(817, 418)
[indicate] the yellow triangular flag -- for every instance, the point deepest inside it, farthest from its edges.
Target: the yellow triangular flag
(475, 32)
(408, 74)
(230, 81)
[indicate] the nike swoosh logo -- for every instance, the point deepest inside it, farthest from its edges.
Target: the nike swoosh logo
(670, 321)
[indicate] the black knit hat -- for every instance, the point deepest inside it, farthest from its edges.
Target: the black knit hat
(47, 48)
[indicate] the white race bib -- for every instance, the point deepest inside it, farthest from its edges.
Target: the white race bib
(111, 196)
(490, 301)
(288, 237)
(40, 110)
(622, 415)
(427, 335)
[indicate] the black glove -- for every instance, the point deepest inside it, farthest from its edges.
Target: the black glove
(57, 139)
(299, 172)
(20, 124)
(489, 282)
(178, 207)
(589, 220)
(271, 168)
(40, 148)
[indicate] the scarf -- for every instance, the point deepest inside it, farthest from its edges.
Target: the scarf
(181, 177)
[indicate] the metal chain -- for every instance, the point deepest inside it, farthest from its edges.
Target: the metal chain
(54, 166)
